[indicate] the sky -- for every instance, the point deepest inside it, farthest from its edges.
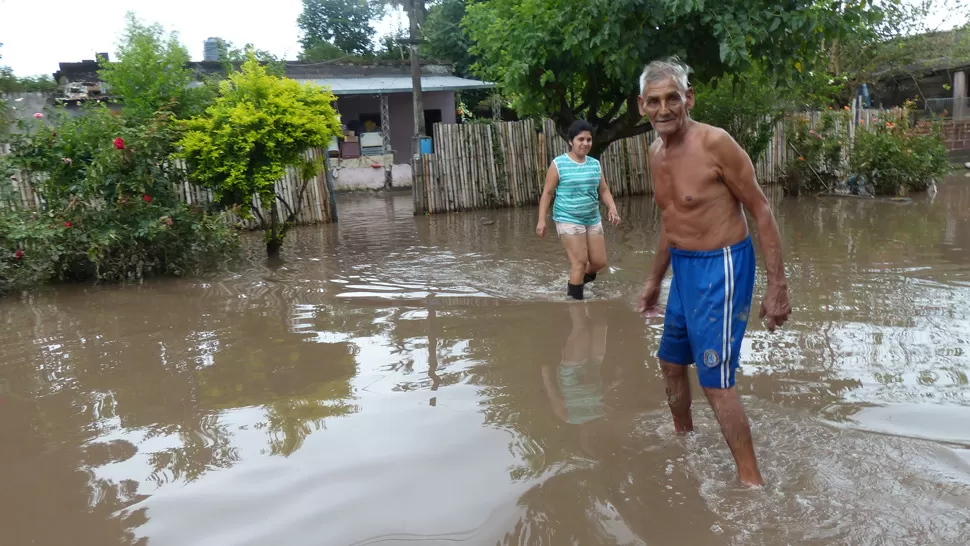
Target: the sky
(38, 34)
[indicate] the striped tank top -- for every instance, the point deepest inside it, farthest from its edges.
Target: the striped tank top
(577, 196)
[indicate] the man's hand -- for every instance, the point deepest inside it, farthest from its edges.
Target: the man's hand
(776, 306)
(541, 229)
(648, 304)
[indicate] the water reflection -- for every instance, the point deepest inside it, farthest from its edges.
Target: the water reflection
(393, 363)
(575, 387)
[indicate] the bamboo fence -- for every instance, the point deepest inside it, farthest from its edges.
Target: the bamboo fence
(503, 164)
(318, 206)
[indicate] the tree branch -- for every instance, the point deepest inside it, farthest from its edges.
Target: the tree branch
(299, 202)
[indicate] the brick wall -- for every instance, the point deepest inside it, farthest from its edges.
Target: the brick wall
(957, 135)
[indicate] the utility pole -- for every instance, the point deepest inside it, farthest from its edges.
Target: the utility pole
(416, 18)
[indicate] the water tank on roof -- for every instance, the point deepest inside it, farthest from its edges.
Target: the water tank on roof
(211, 50)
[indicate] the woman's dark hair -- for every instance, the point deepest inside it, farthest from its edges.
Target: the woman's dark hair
(577, 127)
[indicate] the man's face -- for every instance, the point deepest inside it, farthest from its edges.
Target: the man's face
(666, 106)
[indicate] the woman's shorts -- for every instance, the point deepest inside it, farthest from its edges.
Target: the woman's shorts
(565, 228)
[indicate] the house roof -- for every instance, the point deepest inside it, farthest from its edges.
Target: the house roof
(389, 84)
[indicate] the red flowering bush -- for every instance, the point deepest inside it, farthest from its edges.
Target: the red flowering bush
(104, 182)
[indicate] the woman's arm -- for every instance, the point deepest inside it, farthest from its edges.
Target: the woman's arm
(606, 196)
(552, 181)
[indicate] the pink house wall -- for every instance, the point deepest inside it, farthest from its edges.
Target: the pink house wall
(401, 115)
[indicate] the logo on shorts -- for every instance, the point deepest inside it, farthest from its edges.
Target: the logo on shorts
(711, 358)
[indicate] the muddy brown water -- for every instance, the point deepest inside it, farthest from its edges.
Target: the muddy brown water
(402, 380)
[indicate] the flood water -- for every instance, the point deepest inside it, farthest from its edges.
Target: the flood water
(422, 380)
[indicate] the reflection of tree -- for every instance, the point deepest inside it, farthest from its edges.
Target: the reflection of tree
(131, 363)
(298, 382)
(50, 493)
(289, 422)
(203, 449)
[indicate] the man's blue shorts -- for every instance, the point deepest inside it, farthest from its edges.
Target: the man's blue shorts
(707, 310)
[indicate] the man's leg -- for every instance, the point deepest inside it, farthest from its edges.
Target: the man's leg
(678, 396)
(729, 411)
(675, 356)
(725, 286)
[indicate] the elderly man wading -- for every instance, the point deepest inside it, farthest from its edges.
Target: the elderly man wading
(701, 179)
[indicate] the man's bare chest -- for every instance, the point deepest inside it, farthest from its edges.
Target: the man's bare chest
(685, 182)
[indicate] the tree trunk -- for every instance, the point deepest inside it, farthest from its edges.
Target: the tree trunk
(415, 14)
(273, 247)
(274, 241)
(600, 144)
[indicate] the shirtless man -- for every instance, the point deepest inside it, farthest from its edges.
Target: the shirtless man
(702, 179)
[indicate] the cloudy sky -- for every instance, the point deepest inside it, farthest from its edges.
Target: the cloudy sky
(38, 34)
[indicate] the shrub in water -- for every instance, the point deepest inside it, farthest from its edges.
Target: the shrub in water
(110, 205)
(816, 153)
(895, 156)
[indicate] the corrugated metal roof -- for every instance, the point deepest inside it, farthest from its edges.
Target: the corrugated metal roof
(377, 85)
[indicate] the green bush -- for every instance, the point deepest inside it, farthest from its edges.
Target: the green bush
(110, 208)
(746, 107)
(816, 151)
(259, 126)
(896, 157)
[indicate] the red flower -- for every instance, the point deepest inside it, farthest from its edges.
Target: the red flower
(19, 254)
(147, 198)
(67, 224)
(119, 143)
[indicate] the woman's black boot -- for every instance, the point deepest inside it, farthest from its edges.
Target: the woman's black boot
(574, 291)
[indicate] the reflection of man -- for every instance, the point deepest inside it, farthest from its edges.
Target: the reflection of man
(702, 179)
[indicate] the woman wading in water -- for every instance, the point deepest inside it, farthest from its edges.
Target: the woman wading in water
(579, 185)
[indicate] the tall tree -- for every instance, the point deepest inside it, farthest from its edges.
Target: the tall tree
(345, 24)
(417, 13)
(444, 36)
(150, 72)
(568, 60)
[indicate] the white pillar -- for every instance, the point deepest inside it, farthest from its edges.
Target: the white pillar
(959, 95)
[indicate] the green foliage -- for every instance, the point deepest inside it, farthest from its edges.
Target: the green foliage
(891, 156)
(566, 60)
(258, 127)
(232, 56)
(816, 152)
(896, 157)
(747, 107)
(345, 24)
(445, 38)
(901, 42)
(322, 51)
(9, 83)
(150, 73)
(110, 212)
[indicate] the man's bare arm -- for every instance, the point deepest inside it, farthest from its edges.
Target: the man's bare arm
(661, 259)
(737, 172)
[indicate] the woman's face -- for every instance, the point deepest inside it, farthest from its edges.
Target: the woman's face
(582, 143)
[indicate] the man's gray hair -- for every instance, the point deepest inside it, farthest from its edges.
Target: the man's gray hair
(661, 70)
